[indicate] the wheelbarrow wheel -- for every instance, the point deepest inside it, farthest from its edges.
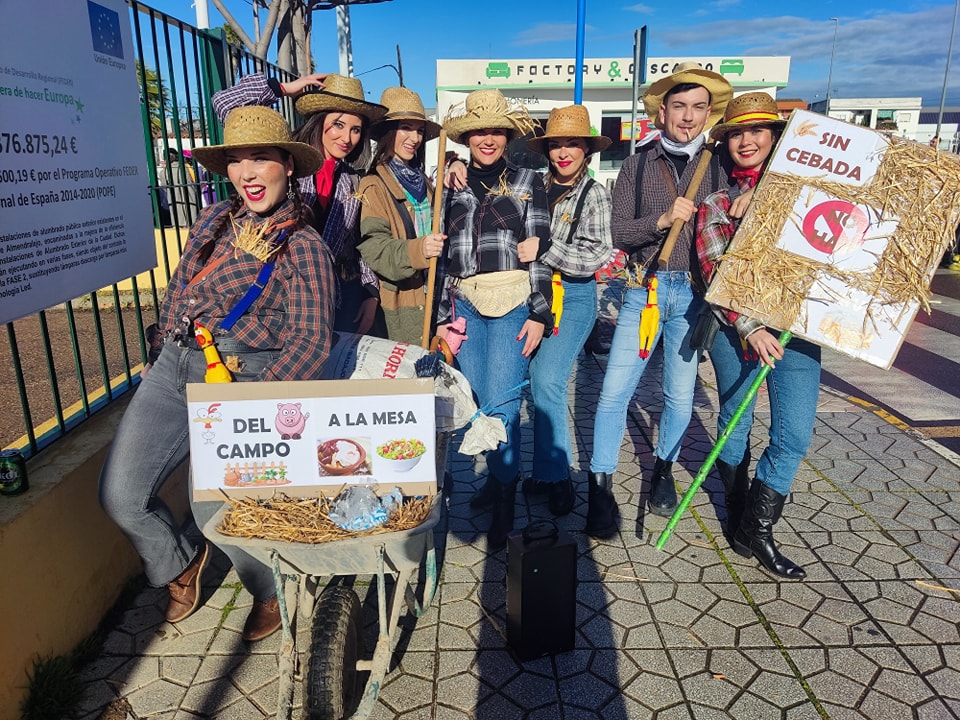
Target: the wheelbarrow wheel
(332, 678)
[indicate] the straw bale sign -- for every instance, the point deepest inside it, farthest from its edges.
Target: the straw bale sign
(843, 235)
(310, 438)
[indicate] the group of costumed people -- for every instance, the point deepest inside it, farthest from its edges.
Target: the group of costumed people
(309, 245)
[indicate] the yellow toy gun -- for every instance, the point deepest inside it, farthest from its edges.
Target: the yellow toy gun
(216, 371)
(557, 307)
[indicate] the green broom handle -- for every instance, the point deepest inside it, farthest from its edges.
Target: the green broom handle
(721, 441)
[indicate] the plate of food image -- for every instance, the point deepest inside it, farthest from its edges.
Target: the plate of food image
(400, 455)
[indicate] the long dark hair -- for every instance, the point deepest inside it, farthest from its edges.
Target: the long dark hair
(311, 133)
(386, 148)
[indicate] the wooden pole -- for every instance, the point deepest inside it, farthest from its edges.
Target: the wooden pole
(437, 207)
(691, 193)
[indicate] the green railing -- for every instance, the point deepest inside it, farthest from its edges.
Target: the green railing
(71, 360)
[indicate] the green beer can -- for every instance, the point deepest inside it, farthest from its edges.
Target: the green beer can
(13, 473)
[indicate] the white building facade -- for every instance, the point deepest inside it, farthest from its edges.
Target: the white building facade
(543, 84)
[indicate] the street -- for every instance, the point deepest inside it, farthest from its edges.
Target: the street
(922, 387)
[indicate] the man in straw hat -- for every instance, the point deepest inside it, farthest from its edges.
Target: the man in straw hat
(338, 120)
(647, 199)
(260, 280)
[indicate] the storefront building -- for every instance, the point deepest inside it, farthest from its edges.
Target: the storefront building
(543, 84)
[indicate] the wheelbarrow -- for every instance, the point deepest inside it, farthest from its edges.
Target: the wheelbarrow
(333, 667)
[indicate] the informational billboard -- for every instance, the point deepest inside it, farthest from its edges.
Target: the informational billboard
(74, 199)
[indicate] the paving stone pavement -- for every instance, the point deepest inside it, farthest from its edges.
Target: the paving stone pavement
(693, 632)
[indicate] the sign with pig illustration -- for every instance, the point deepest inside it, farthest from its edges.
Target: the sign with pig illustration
(310, 438)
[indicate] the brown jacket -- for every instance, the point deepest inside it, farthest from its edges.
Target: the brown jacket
(396, 259)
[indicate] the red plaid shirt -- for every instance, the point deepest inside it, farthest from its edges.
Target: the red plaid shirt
(715, 229)
(294, 313)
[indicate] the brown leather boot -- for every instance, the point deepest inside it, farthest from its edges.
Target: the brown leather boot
(263, 620)
(185, 590)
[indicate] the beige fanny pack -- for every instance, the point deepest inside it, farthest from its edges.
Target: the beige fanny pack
(497, 293)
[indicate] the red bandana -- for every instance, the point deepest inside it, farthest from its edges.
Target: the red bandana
(324, 180)
(750, 175)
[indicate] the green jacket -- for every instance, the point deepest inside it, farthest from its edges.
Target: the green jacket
(397, 260)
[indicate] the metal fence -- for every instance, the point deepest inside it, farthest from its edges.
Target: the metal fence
(71, 360)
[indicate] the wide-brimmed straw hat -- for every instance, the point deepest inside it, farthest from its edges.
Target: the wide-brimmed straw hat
(572, 121)
(255, 127)
(689, 72)
(753, 108)
(484, 109)
(403, 104)
(339, 93)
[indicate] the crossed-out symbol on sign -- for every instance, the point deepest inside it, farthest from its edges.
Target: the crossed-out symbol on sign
(835, 225)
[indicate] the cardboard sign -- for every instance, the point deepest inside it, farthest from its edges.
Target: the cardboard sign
(842, 237)
(310, 438)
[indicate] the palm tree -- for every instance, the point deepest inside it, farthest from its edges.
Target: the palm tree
(155, 97)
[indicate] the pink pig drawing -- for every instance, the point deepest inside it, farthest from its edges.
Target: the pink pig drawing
(290, 421)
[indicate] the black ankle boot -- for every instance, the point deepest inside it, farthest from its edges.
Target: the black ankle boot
(754, 537)
(486, 497)
(561, 497)
(663, 491)
(502, 523)
(736, 485)
(602, 510)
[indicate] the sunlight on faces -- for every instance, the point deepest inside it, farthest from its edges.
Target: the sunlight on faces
(751, 146)
(683, 115)
(260, 176)
(341, 134)
(487, 145)
(567, 155)
(408, 139)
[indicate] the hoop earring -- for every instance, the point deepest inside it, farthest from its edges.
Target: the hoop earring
(291, 193)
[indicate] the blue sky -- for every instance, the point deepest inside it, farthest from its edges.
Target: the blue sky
(883, 48)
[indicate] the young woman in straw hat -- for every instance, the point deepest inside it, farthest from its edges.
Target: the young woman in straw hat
(581, 242)
(505, 302)
(396, 220)
(257, 276)
(750, 129)
(337, 124)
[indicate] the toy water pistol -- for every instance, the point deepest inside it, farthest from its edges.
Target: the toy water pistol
(649, 319)
(557, 307)
(216, 371)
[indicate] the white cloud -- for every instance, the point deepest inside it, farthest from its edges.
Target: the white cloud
(640, 8)
(884, 55)
(546, 33)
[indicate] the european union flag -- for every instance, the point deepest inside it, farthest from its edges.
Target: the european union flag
(105, 30)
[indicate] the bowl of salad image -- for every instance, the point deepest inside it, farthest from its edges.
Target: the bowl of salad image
(400, 455)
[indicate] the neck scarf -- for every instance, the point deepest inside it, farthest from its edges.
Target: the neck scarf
(484, 179)
(324, 179)
(748, 177)
(689, 149)
(410, 178)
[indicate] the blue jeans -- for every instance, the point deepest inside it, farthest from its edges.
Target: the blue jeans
(793, 386)
(490, 359)
(679, 306)
(151, 441)
(550, 371)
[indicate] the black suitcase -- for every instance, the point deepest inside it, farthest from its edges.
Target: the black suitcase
(541, 590)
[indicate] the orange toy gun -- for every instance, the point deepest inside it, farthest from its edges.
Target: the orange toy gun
(216, 371)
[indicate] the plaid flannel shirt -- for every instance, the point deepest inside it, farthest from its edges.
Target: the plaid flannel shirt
(590, 249)
(294, 313)
(715, 229)
(341, 226)
(483, 237)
